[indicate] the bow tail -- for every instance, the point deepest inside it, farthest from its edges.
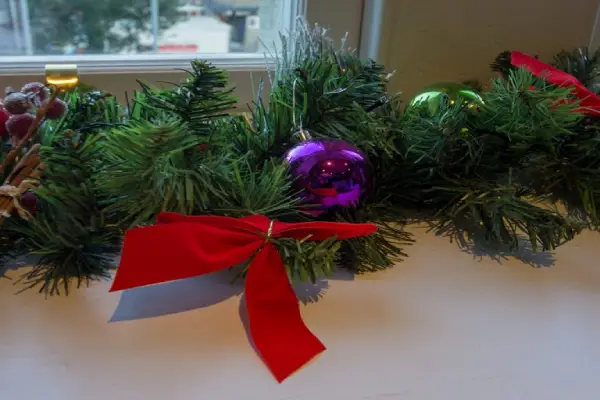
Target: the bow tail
(276, 326)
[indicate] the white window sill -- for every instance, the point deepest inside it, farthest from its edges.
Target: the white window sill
(138, 63)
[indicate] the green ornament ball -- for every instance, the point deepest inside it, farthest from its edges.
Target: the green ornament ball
(432, 96)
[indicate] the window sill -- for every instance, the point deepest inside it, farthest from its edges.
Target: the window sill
(138, 63)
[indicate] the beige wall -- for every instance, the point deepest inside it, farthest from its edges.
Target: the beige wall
(339, 19)
(430, 41)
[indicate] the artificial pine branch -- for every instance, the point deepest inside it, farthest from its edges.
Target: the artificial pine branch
(250, 189)
(494, 170)
(502, 64)
(10, 243)
(198, 100)
(315, 81)
(69, 232)
(573, 176)
(464, 166)
(503, 215)
(89, 111)
(148, 168)
(582, 64)
(378, 251)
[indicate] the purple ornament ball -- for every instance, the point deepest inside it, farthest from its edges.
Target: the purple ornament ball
(329, 173)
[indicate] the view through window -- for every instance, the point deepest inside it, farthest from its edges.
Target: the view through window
(79, 27)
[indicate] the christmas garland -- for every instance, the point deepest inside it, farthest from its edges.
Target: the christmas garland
(327, 149)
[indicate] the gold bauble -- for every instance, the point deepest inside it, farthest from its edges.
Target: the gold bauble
(62, 76)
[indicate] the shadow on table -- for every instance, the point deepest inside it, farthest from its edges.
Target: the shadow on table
(309, 292)
(199, 292)
(473, 241)
(177, 296)
(17, 263)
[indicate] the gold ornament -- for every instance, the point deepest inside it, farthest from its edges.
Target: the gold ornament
(456, 93)
(62, 76)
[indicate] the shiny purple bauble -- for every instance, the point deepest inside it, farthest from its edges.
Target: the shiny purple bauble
(329, 173)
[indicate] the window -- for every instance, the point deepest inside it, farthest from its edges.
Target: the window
(118, 73)
(117, 34)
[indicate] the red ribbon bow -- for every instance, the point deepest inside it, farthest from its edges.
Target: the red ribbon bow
(180, 247)
(589, 102)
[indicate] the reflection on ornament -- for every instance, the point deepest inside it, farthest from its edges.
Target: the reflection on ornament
(329, 173)
(456, 93)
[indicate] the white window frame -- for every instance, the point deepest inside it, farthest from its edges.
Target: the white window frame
(147, 63)
(120, 74)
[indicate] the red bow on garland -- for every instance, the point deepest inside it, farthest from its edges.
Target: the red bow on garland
(180, 247)
(589, 102)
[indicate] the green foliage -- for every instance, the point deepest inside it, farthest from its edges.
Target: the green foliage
(248, 190)
(309, 261)
(529, 107)
(502, 63)
(71, 239)
(316, 86)
(497, 173)
(502, 215)
(149, 168)
(582, 65)
(329, 91)
(380, 250)
(198, 101)
(474, 171)
(69, 231)
(568, 169)
(10, 243)
(311, 46)
(88, 113)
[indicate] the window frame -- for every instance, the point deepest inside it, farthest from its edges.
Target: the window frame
(147, 63)
(119, 78)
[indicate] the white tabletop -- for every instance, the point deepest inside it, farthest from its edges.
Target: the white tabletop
(444, 324)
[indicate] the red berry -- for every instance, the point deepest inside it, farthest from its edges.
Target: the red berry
(18, 125)
(4, 116)
(37, 89)
(29, 202)
(17, 103)
(57, 110)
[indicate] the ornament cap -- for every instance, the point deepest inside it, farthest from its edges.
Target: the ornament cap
(304, 135)
(63, 76)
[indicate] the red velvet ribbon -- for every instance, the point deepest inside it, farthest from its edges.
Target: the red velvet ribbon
(590, 103)
(180, 247)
